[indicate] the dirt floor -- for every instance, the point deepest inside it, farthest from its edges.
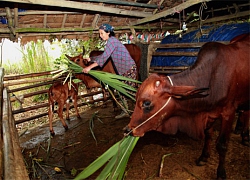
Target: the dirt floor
(75, 149)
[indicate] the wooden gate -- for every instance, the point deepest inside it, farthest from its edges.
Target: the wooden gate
(11, 160)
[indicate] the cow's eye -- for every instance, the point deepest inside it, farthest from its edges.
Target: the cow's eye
(146, 104)
(77, 60)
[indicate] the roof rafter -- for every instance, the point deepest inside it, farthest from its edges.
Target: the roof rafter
(165, 13)
(125, 3)
(83, 6)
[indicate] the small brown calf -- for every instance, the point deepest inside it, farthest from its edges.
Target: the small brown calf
(62, 94)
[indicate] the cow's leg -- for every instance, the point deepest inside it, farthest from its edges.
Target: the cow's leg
(51, 109)
(207, 147)
(245, 118)
(60, 114)
(222, 143)
(239, 124)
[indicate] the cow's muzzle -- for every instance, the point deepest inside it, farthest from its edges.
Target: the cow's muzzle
(128, 131)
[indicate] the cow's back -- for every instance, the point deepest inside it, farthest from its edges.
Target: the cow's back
(224, 68)
(237, 60)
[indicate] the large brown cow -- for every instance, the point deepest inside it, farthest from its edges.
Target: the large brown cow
(181, 101)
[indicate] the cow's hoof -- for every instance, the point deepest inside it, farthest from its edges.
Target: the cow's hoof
(245, 138)
(221, 173)
(52, 133)
(78, 116)
(245, 142)
(201, 161)
(66, 128)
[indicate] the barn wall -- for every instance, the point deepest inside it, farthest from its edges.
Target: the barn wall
(209, 33)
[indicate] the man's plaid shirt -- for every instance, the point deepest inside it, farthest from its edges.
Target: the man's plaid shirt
(119, 54)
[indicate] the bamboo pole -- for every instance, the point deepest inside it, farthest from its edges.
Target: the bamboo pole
(46, 113)
(24, 81)
(1, 114)
(19, 168)
(14, 167)
(33, 86)
(8, 150)
(31, 75)
(17, 98)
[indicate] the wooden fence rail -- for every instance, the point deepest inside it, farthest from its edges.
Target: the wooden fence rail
(32, 81)
(11, 159)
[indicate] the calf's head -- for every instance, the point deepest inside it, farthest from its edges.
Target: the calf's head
(156, 101)
(79, 60)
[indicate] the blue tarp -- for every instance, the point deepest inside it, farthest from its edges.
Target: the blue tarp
(210, 33)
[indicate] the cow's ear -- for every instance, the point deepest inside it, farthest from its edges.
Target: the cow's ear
(83, 50)
(68, 56)
(187, 91)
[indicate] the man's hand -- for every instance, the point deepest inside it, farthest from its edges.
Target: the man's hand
(86, 69)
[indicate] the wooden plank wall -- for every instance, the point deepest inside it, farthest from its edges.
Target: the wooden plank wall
(168, 69)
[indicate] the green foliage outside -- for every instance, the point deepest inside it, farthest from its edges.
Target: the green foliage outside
(36, 58)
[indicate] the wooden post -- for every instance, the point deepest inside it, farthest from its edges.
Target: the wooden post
(149, 58)
(8, 151)
(14, 167)
(1, 114)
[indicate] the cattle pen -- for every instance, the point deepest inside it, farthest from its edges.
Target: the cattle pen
(12, 165)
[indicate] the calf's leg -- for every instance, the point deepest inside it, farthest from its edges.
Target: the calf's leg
(67, 108)
(75, 105)
(51, 119)
(60, 114)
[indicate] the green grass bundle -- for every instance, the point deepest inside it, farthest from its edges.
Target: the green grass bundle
(116, 157)
(108, 79)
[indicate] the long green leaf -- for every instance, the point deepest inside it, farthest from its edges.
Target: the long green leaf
(119, 169)
(99, 162)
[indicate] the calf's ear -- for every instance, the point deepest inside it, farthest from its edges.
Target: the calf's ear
(187, 91)
(68, 56)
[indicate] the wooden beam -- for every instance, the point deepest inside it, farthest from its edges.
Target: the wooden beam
(222, 18)
(45, 20)
(95, 21)
(31, 12)
(64, 20)
(157, 9)
(125, 3)
(173, 10)
(10, 20)
(71, 30)
(83, 6)
(15, 17)
(83, 19)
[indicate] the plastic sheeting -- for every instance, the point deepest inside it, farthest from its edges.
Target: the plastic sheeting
(210, 33)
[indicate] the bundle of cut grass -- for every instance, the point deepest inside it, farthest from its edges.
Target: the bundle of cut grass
(108, 79)
(116, 157)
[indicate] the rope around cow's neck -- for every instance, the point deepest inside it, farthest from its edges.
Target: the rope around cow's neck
(126, 134)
